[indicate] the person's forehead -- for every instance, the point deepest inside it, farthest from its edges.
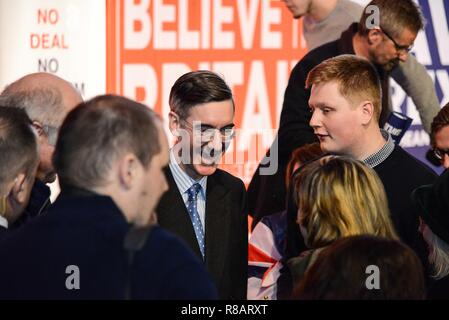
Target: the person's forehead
(406, 37)
(326, 93)
(216, 113)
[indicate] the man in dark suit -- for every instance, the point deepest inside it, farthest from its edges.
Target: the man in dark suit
(204, 205)
(18, 163)
(95, 242)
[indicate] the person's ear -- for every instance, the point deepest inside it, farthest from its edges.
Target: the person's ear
(19, 189)
(173, 123)
(367, 112)
(374, 36)
(128, 170)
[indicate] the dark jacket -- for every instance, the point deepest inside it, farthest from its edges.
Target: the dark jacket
(226, 237)
(37, 205)
(439, 289)
(88, 232)
(3, 232)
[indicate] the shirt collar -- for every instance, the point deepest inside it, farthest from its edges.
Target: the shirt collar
(3, 222)
(383, 153)
(182, 179)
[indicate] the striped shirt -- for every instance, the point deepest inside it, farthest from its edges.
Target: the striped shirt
(184, 182)
(380, 156)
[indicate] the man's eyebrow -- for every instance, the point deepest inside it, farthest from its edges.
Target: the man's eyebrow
(321, 105)
(208, 126)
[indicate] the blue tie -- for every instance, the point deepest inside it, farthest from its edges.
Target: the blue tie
(192, 192)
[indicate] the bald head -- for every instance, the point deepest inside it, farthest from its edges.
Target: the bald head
(47, 99)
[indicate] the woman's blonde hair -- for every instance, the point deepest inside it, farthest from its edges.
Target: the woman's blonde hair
(339, 197)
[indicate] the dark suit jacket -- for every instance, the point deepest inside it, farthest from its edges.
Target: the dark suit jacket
(3, 232)
(89, 232)
(39, 202)
(226, 237)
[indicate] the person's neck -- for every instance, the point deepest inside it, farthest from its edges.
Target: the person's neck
(360, 45)
(124, 200)
(321, 9)
(372, 143)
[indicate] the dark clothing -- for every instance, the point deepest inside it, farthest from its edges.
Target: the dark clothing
(226, 230)
(400, 174)
(439, 290)
(266, 194)
(3, 232)
(38, 203)
(88, 232)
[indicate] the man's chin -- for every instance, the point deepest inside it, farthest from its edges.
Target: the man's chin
(390, 66)
(205, 169)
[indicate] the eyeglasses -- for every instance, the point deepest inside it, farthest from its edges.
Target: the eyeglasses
(439, 153)
(207, 132)
(398, 47)
(52, 134)
(50, 131)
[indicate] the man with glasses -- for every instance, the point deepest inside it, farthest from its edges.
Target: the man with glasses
(439, 137)
(46, 99)
(384, 40)
(206, 206)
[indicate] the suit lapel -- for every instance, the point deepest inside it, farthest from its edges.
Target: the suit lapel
(173, 215)
(217, 226)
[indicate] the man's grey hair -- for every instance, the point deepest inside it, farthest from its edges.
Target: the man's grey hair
(439, 256)
(97, 133)
(44, 105)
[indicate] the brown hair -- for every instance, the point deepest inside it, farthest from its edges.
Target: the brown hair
(197, 87)
(18, 145)
(356, 77)
(300, 156)
(441, 120)
(97, 132)
(341, 271)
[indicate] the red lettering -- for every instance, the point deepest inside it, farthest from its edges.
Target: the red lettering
(34, 41)
(44, 41)
(45, 16)
(47, 41)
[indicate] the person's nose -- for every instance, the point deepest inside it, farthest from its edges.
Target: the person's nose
(217, 141)
(315, 121)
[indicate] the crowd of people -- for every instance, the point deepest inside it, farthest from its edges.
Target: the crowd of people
(348, 215)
